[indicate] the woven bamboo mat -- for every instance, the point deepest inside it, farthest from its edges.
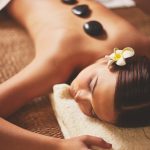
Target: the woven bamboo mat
(16, 51)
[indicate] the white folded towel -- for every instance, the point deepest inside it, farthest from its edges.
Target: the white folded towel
(3, 3)
(74, 123)
(117, 3)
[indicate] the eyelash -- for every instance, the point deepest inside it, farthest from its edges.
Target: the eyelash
(91, 84)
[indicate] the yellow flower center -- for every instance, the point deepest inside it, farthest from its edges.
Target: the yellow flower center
(117, 57)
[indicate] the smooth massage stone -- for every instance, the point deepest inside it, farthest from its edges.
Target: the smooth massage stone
(69, 1)
(81, 10)
(93, 28)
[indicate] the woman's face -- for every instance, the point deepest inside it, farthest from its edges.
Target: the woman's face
(93, 89)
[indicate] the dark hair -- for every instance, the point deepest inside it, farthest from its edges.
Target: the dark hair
(132, 93)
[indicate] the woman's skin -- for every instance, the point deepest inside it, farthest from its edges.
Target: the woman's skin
(60, 42)
(90, 90)
(16, 138)
(61, 46)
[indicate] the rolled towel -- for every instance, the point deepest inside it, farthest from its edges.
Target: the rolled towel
(3, 3)
(74, 123)
(117, 3)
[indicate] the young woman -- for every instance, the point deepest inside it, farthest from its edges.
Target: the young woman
(61, 46)
(116, 94)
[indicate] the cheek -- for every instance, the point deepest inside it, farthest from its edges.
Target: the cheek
(104, 110)
(99, 104)
(96, 107)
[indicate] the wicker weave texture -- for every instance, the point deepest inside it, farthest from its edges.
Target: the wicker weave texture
(16, 51)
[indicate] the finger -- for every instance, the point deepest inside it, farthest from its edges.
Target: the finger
(96, 141)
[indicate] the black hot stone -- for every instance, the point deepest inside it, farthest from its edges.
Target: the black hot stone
(81, 10)
(70, 1)
(93, 28)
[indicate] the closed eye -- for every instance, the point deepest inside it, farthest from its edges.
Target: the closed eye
(93, 83)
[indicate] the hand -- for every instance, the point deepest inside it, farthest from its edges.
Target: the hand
(84, 143)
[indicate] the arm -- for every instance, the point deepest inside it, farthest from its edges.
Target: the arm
(43, 72)
(27, 84)
(15, 138)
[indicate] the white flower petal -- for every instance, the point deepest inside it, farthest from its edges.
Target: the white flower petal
(111, 56)
(119, 56)
(119, 51)
(128, 52)
(121, 62)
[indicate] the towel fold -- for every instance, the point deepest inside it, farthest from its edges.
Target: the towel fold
(3, 3)
(117, 3)
(74, 123)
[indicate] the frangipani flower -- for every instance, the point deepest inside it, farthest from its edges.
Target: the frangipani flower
(119, 56)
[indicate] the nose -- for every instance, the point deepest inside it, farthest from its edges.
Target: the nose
(83, 98)
(82, 95)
